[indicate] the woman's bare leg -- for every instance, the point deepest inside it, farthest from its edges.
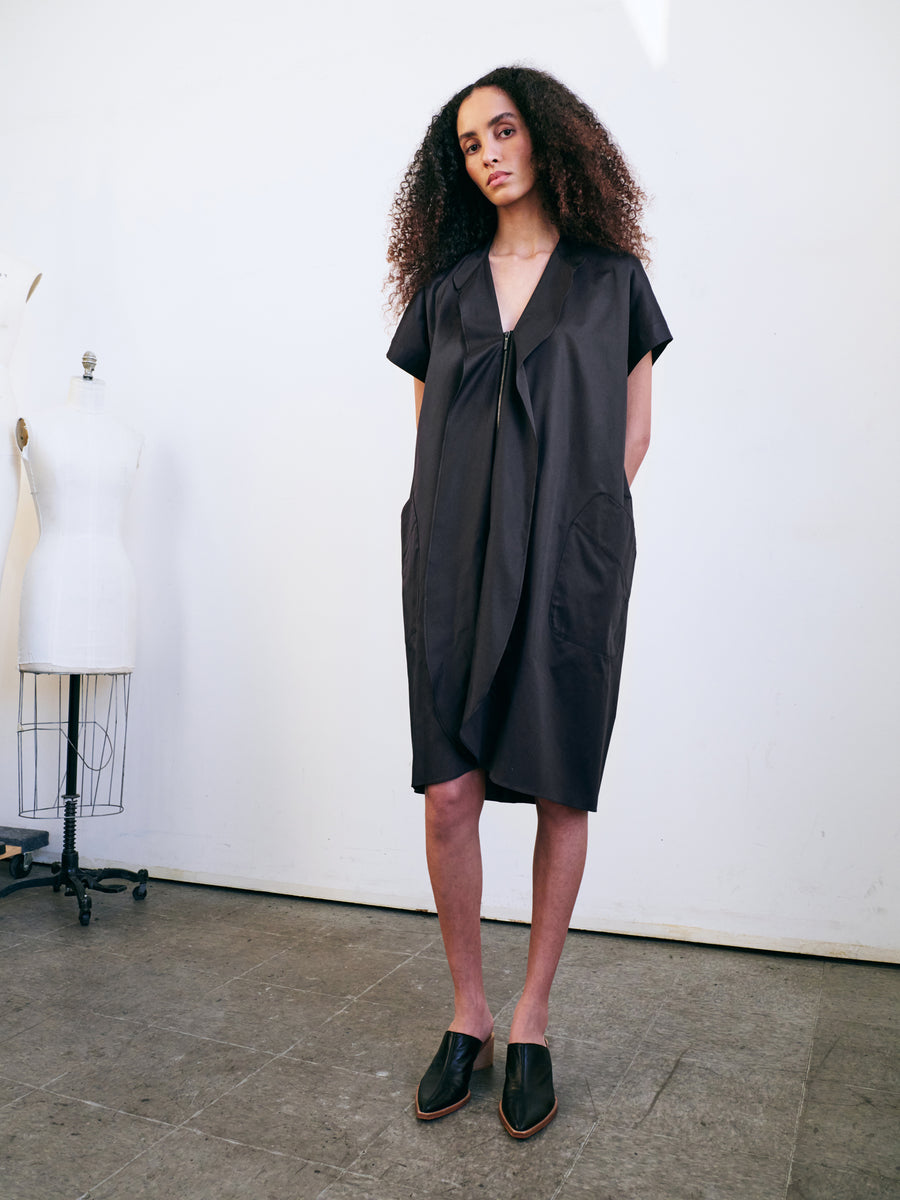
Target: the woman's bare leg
(560, 848)
(453, 847)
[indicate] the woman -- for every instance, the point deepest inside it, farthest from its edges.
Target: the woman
(530, 330)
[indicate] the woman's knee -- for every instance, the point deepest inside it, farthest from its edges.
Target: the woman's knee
(454, 803)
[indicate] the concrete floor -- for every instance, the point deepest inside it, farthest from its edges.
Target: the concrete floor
(210, 1044)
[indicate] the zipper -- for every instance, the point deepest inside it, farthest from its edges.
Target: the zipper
(506, 336)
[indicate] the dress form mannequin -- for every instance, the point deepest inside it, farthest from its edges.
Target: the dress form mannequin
(78, 612)
(77, 626)
(18, 280)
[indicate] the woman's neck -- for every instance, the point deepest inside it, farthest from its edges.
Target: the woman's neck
(524, 230)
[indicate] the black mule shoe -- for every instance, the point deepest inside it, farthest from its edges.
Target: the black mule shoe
(529, 1101)
(445, 1085)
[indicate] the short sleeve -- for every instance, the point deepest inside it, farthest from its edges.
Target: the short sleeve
(647, 328)
(410, 347)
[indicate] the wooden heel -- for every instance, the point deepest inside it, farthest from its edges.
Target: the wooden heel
(485, 1056)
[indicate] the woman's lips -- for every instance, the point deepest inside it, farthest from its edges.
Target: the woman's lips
(497, 177)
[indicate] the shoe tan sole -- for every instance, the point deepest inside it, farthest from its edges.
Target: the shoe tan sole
(527, 1133)
(442, 1112)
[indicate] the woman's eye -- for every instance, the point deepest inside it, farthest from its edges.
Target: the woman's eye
(506, 132)
(471, 148)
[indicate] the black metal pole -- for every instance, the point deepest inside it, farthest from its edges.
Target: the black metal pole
(72, 737)
(69, 858)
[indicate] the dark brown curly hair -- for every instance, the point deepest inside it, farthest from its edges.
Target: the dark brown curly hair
(586, 187)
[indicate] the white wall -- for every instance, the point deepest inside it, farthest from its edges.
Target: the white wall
(205, 185)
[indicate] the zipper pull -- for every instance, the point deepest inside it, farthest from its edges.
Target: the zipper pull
(506, 336)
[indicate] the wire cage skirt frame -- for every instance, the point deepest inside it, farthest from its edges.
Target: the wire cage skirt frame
(72, 739)
(46, 743)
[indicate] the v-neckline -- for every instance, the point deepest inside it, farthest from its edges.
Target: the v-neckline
(534, 290)
(480, 316)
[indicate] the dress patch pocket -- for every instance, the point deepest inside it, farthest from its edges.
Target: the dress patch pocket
(409, 547)
(589, 604)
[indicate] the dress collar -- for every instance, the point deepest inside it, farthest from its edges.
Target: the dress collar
(478, 303)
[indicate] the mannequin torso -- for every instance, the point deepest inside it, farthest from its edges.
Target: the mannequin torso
(78, 612)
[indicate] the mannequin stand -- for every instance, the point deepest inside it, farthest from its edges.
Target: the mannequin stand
(68, 873)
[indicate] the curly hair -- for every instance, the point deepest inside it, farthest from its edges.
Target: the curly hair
(586, 187)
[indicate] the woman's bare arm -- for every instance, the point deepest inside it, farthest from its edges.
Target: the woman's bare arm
(419, 387)
(637, 421)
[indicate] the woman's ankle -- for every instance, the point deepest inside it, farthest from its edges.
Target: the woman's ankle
(529, 1023)
(477, 1022)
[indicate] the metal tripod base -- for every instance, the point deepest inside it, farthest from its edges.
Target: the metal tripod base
(79, 880)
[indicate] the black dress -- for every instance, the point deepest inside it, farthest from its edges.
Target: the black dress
(518, 538)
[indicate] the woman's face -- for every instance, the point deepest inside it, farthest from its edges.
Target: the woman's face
(496, 146)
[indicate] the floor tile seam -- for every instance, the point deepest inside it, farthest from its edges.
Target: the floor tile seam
(22, 938)
(331, 1066)
(345, 1171)
(38, 1019)
(616, 980)
(286, 987)
(408, 959)
(271, 1057)
(29, 1088)
(323, 930)
(323, 1195)
(645, 1045)
(575, 1161)
(118, 1171)
(119, 960)
(201, 1037)
(156, 1120)
(801, 1100)
(867, 1088)
(679, 1003)
(624, 1075)
(346, 1008)
(363, 1149)
(627, 1042)
(40, 1087)
(647, 1041)
(822, 1019)
(116, 1111)
(227, 1092)
(186, 1127)
(221, 981)
(732, 1070)
(887, 1089)
(256, 966)
(677, 1141)
(724, 1068)
(256, 927)
(105, 1016)
(650, 1024)
(877, 1176)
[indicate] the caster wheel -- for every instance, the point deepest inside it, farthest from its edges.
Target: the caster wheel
(140, 892)
(84, 918)
(20, 866)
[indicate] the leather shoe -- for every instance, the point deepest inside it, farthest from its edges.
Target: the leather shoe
(529, 1101)
(445, 1085)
